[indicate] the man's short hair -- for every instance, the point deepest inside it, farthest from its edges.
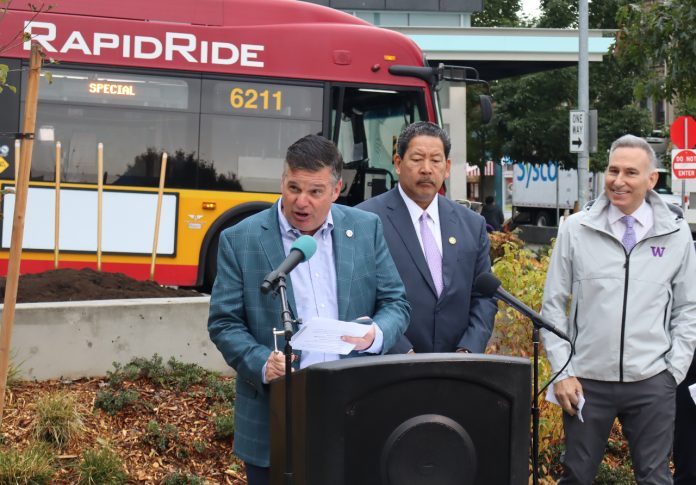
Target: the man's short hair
(422, 128)
(632, 141)
(313, 153)
(489, 199)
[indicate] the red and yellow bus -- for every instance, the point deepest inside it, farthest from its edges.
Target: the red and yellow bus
(223, 86)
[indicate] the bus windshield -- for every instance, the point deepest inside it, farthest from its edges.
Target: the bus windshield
(369, 123)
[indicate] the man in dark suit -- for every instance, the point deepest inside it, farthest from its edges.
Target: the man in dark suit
(350, 276)
(439, 248)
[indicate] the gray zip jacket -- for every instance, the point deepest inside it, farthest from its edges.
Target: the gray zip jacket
(631, 315)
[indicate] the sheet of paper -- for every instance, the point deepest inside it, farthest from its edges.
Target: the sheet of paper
(324, 335)
(551, 397)
(692, 390)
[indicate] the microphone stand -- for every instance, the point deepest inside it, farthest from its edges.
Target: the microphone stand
(279, 288)
(489, 286)
(535, 404)
(537, 325)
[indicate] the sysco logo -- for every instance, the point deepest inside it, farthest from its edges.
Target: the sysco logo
(545, 172)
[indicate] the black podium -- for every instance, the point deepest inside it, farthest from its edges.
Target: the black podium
(430, 419)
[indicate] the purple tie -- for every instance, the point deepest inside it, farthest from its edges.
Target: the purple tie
(432, 253)
(629, 237)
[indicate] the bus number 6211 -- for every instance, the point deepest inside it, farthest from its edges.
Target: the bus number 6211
(250, 99)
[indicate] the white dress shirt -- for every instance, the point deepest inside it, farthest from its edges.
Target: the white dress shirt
(416, 211)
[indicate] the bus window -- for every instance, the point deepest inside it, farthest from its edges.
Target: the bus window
(382, 127)
(134, 116)
(246, 128)
(370, 122)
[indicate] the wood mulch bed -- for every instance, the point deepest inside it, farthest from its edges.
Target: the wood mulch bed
(195, 453)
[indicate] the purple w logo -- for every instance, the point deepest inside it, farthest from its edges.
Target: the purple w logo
(658, 250)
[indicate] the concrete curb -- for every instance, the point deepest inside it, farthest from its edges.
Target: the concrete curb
(83, 339)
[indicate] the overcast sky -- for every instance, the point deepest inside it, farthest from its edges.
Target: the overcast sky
(530, 7)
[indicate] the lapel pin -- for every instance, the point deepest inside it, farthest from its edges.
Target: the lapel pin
(452, 240)
(349, 233)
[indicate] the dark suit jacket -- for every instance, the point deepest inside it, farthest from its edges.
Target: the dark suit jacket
(241, 319)
(459, 318)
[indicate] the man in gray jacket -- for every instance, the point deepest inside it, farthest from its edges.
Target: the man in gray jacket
(626, 264)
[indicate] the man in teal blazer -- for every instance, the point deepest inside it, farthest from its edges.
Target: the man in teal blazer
(361, 281)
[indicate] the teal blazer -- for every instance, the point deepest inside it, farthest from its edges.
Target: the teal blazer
(242, 319)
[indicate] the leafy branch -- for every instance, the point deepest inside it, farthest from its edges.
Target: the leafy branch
(18, 38)
(659, 37)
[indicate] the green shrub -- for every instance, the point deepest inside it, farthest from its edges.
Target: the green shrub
(200, 446)
(173, 375)
(111, 401)
(101, 467)
(164, 438)
(620, 474)
(137, 368)
(58, 420)
(219, 389)
(182, 376)
(499, 240)
(182, 479)
(32, 466)
(224, 425)
(120, 374)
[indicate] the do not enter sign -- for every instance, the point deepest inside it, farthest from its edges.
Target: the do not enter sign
(684, 164)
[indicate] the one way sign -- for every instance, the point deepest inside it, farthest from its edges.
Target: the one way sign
(578, 131)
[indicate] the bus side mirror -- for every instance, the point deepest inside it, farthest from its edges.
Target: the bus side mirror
(486, 108)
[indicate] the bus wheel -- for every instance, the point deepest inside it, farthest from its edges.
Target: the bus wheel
(211, 255)
(211, 264)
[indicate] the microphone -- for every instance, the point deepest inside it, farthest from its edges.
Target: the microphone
(302, 249)
(488, 285)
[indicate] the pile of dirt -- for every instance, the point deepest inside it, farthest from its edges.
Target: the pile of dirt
(88, 284)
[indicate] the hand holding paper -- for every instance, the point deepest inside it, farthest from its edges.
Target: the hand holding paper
(365, 341)
(551, 397)
(324, 335)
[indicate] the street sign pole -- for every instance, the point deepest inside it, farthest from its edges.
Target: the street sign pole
(583, 101)
(686, 145)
